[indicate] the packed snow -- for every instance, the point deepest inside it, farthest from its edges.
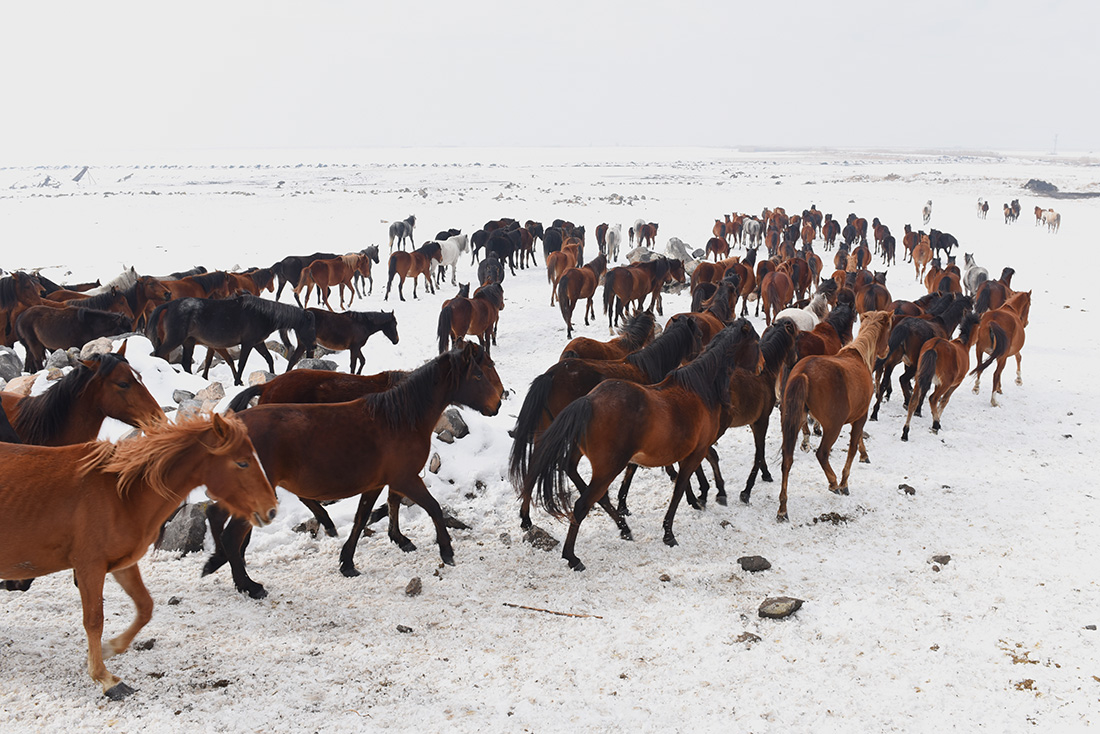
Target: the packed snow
(1001, 637)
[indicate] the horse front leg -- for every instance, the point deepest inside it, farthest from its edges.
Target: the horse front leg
(130, 580)
(362, 513)
(687, 468)
(415, 490)
(90, 584)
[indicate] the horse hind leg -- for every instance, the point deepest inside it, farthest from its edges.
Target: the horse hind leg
(415, 490)
(362, 514)
(854, 443)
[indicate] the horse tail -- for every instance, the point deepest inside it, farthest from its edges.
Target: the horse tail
(531, 414)
(392, 268)
(895, 342)
(1000, 345)
(553, 454)
(772, 294)
(981, 305)
(793, 410)
(241, 400)
(926, 370)
(608, 291)
(563, 296)
(151, 331)
(443, 331)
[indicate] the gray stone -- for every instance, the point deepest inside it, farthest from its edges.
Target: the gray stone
(310, 526)
(446, 437)
(404, 629)
(434, 464)
(260, 377)
(540, 539)
(21, 385)
(506, 540)
(942, 560)
(10, 364)
(54, 374)
(213, 392)
(452, 421)
(747, 638)
(699, 253)
(58, 359)
(451, 521)
(907, 488)
(184, 531)
(754, 563)
(102, 345)
(778, 607)
(190, 407)
(316, 364)
(276, 347)
(414, 587)
(178, 396)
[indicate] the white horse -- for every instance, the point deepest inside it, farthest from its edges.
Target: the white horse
(810, 316)
(1052, 219)
(928, 211)
(612, 240)
(973, 275)
(126, 279)
(450, 250)
(751, 231)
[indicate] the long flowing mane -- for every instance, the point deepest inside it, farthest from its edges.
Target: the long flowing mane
(404, 404)
(719, 303)
(866, 342)
(429, 249)
(101, 302)
(149, 458)
(776, 346)
(637, 331)
(708, 374)
(10, 286)
(841, 319)
(40, 419)
(666, 351)
(282, 315)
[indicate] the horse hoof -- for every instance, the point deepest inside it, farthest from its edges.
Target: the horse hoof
(408, 546)
(118, 691)
(449, 559)
(349, 571)
(766, 477)
(576, 566)
(624, 510)
(745, 495)
(626, 535)
(256, 591)
(670, 540)
(526, 524)
(721, 499)
(866, 461)
(781, 517)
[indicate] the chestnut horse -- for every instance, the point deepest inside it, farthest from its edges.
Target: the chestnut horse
(620, 422)
(634, 334)
(412, 265)
(1001, 335)
(475, 315)
(558, 262)
(96, 508)
(339, 272)
(834, 390)
(994, 293)
(944, 364)
(18, 292)
(717, 246)
(205, 285)
(576, 284)
(776, 293)
(72, 411)
(332, 451)
(646, 234)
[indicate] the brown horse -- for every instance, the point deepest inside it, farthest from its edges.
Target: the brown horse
(338, 272)
(834, 390)
(942, 363)
(96, 508)
(476, 315)
(994, 293)
(711, 272)
(717, 246)
(18, 292)
(412, 265)
(634, 334)
(909, 241)
(72, 411)
(557, 263)
(42, 328)
(336, 450)
(205, 285)
(634, 282)
(620, 422)
(350, 330)
(776, 293)
(922, 256)
(646, 234)
(1001, 335)
(830, 335)
(577, 284)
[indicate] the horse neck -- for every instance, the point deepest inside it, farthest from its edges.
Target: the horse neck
(864, 344)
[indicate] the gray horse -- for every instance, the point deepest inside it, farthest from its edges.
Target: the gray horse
(402, 230)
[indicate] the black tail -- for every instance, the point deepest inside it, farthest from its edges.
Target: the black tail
(1000, 346)
(982, 304)
(926, 370)
(552, 456)
(793, 410)
(444, 329)
(241, 400)
(531, 415)
(896, 341)
(608, 291)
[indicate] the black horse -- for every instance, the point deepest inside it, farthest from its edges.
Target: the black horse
(219, 324)
(350, 330)
(289, 270)
(501, 244)
(941, 241)
(490, 270)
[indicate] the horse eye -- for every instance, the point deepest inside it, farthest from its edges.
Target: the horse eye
(242, 464)
(124, 385)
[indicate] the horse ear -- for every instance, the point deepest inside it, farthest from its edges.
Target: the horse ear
(122, 350)
(221, 429)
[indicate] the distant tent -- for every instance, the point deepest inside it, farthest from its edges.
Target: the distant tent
(80, 175)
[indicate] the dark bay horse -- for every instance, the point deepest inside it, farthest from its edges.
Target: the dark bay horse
(97, 507)
(412, 265)
(634, 334)
(205, 285)
(43, 328)
(634, 282)
(944, 364)
(1001, 335)
(219, 324)
(289, 270)
(350, 330)
(570, 379)
(18, 292)
(476, 315)
(620, 422)
(577, 284)
(336, 450)
(834, 390)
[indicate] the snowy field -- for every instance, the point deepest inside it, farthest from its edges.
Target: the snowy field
(995, 640)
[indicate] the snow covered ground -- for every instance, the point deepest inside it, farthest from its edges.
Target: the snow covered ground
(997, 639)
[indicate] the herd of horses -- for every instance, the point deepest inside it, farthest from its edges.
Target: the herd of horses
(651, 396)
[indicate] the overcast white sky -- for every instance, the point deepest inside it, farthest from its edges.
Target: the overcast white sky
(104, 76)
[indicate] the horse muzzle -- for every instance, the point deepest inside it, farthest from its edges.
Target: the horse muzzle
(260, 520)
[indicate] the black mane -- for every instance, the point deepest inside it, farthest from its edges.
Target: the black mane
(43, 418)
(404, 404)
(661, 355)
